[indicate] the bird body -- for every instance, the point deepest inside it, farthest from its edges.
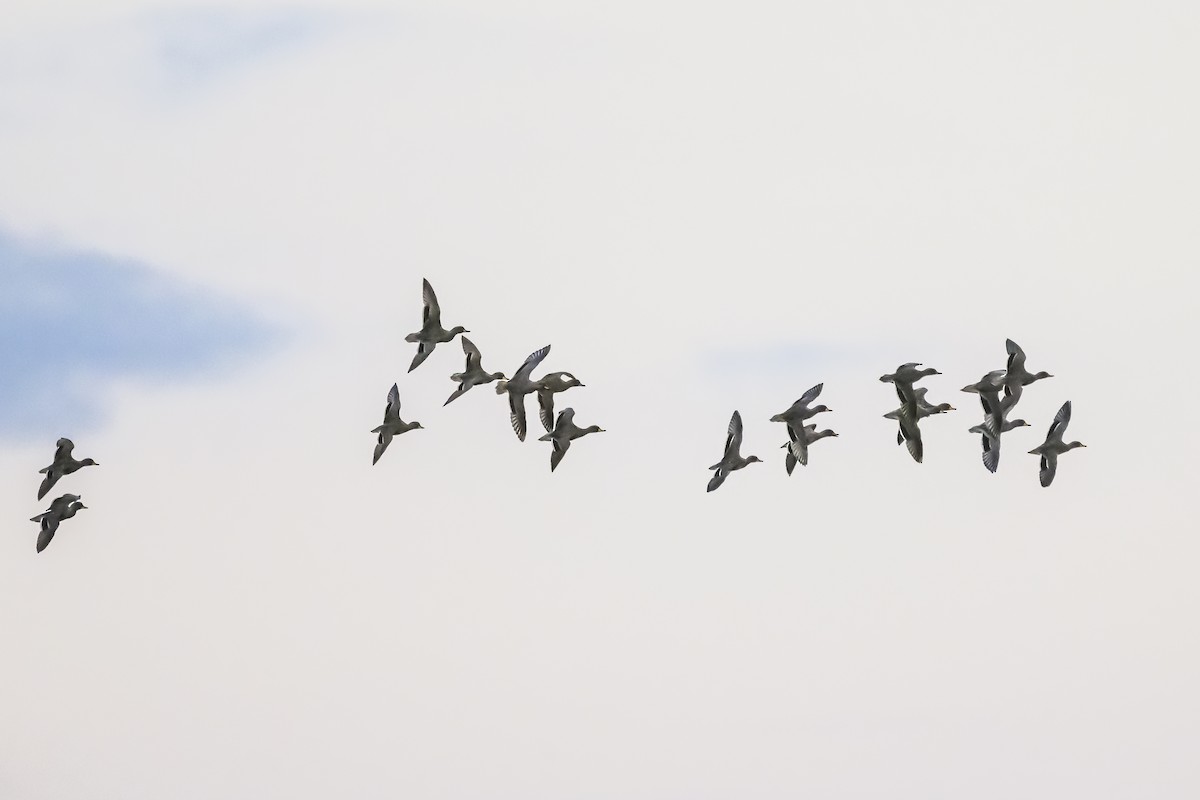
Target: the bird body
(988, 388)
(392, 424)
(552, 383)
(473, 374)
(732, 459)
(797, 448)
(1016, 375)
(520, 385)
(61, 508)
(1054, 447)
(432, 333)
(904, 377)
(63, 464)
(794, 418)
(564, 432)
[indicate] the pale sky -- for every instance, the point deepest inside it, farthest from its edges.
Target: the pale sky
(214, 222)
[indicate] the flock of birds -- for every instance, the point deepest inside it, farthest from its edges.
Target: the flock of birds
(560, 432)
(999, 391)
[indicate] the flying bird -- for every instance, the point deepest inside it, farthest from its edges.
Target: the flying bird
(432, 333)
(473, 374)
(794, 418)
(1053, 447)
(988, 388)
(732, 460)
(63, 464)
(565, 431)
(797, 454)
(552, 383)
(923, 409)
(520, 385)
(904, 377)
(392, 424)
(1016, 375)
(61, 508)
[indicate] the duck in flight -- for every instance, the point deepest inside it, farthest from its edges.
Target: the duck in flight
(432, 333)
(732, 460)
(1054, 447)
(904, 377)
(552, 383)
(1016, 375)
(474, 373)
(797, 454)
(520, 385)
(392, 424)
(61, 508)
(63, 464)
(565, 431)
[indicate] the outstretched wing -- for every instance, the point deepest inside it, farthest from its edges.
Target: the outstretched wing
(915, 448)
(991, 452)
(810, 395)
(733, 441)
(48, 482)
(384, 440)
(798, 446)
(531, 363)
(546, 409)
(64, 448)
(474, 359)
(49, 526)
(516, 415)
(560, 447)
(423, 350)
(1049, 466)
(717, 479)
(1059, 426)
(432, 310)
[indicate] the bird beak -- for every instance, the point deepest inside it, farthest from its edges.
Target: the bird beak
(583, 384)
(1081, 444)
(603, 431)
(952, 408)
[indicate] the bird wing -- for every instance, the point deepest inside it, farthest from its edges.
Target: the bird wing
(64, 448)
(1016, 356)
(733, 442)
(433, 311)
(798, 446)
(49, 526)
(48, 482)
(915, 448)
(560, 447)
(531, 362)
(1059, 426)
(423, 350)
(474, 359)
(991, 452)
(385, 438)
(1048, 468)
(810, 395)
(717, 479)
(516, 415)
(546, 409)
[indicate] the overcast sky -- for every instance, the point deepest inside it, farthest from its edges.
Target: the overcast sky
(214, 222)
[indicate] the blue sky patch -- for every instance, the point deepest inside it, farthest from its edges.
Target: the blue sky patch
(70, 321)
